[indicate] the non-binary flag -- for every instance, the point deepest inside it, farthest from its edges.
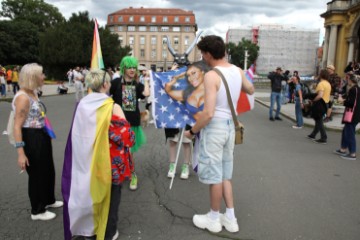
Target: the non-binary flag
(246, 101)
(97, 61)
(167, 112)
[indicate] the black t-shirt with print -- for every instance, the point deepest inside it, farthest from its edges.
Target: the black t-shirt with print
(126, 94)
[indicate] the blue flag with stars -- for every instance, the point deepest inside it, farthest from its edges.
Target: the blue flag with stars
(167, 112)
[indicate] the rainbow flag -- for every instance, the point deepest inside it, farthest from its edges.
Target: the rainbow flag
(86, 177)
(246, 102)
(97, 61)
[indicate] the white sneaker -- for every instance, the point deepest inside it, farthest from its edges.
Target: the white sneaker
(296, 127)
(43, 216)
(205, 222)
(230, 225)
(184, 171)
(116, 235)
(151, 122)
(56, 204)
(5, 133)
(171, 172)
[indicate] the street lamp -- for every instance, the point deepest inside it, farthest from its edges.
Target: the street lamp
(246, 57)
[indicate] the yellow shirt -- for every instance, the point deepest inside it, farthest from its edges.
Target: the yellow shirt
(324, 86)
(15, 76)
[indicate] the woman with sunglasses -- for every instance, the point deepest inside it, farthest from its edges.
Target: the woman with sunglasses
(126, 91)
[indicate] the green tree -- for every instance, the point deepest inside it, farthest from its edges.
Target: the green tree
(37, 12)
(19, 42)
(237, 52)
(70, 44)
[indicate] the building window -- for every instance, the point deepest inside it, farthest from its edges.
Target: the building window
(165, 19)
(153, 19)
(142, 28)
(186, 29)
(142, 19)
(176, 29)
(131, 40)
(120, 28)
(153, 40)
(131, 28)
(164, 53)
(142, 52)
(153, 53)
(164, 29)
(142, 40)
(164, 40)
(111, 19)
(131, 18)
(176, 41)
(187, 19)
(120, 19)
(186, 41)
(176, 19)
(153, 29)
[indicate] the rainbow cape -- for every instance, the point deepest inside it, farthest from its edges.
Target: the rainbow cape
(97, 61)
(246, 102)
(86, 177)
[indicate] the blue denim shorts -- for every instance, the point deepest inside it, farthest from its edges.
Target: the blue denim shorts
(216, 153)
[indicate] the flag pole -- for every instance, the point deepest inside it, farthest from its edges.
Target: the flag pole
(177, 154)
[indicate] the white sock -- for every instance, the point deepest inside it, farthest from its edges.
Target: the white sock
(214, 214)
(230, 214)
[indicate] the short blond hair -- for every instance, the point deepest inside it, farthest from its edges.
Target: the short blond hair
(29, 76)
(94, 79)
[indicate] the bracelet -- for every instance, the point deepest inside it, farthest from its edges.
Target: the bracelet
(191, 132)
(19, 144)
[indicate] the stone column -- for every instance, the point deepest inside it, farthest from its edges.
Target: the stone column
(332, 45)
(351, 51)
(326, 48)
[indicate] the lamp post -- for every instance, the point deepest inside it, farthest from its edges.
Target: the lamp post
(246, 58)
(229, 56)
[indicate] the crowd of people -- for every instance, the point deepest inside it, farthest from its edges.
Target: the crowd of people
(9, 80)
(328, 89)
(106, 133)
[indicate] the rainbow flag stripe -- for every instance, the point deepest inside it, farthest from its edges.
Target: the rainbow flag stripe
(97, 61)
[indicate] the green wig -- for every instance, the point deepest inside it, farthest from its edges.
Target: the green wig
(128, 62)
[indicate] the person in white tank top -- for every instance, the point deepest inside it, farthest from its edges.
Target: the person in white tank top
(217, 135)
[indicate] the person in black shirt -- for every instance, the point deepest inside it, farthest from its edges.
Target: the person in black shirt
(126, 91)
(276, 78)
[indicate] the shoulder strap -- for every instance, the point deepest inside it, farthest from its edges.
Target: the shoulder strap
(236, 122)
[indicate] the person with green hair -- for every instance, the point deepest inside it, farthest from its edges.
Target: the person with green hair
(126, 90)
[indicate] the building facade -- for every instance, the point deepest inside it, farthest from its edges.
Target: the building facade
(281, 46)
(145, 31)
(342, 33)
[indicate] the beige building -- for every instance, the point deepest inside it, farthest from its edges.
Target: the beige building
(342, 33)
(145, 31)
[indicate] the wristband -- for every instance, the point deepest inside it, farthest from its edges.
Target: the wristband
(19, 144)
(191, 132)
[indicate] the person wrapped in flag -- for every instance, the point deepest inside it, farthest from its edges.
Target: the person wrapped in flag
(126, 91)
(97, 160)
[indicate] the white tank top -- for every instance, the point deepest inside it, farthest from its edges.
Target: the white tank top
(234, 81)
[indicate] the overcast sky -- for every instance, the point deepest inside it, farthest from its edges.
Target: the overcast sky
(214, 17)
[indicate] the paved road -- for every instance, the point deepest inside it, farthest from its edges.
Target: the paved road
(286, 187)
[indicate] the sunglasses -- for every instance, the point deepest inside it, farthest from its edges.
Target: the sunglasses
(131, 68)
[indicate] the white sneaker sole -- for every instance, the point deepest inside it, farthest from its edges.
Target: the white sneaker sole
(201, 226)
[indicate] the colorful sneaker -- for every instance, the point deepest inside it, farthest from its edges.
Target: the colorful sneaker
(43, 216)
(133, 182)
(171, 172)
(230, 225)
(56, 204)
(205, 222)
(184, 171)
(348, 157)
(339, 152)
